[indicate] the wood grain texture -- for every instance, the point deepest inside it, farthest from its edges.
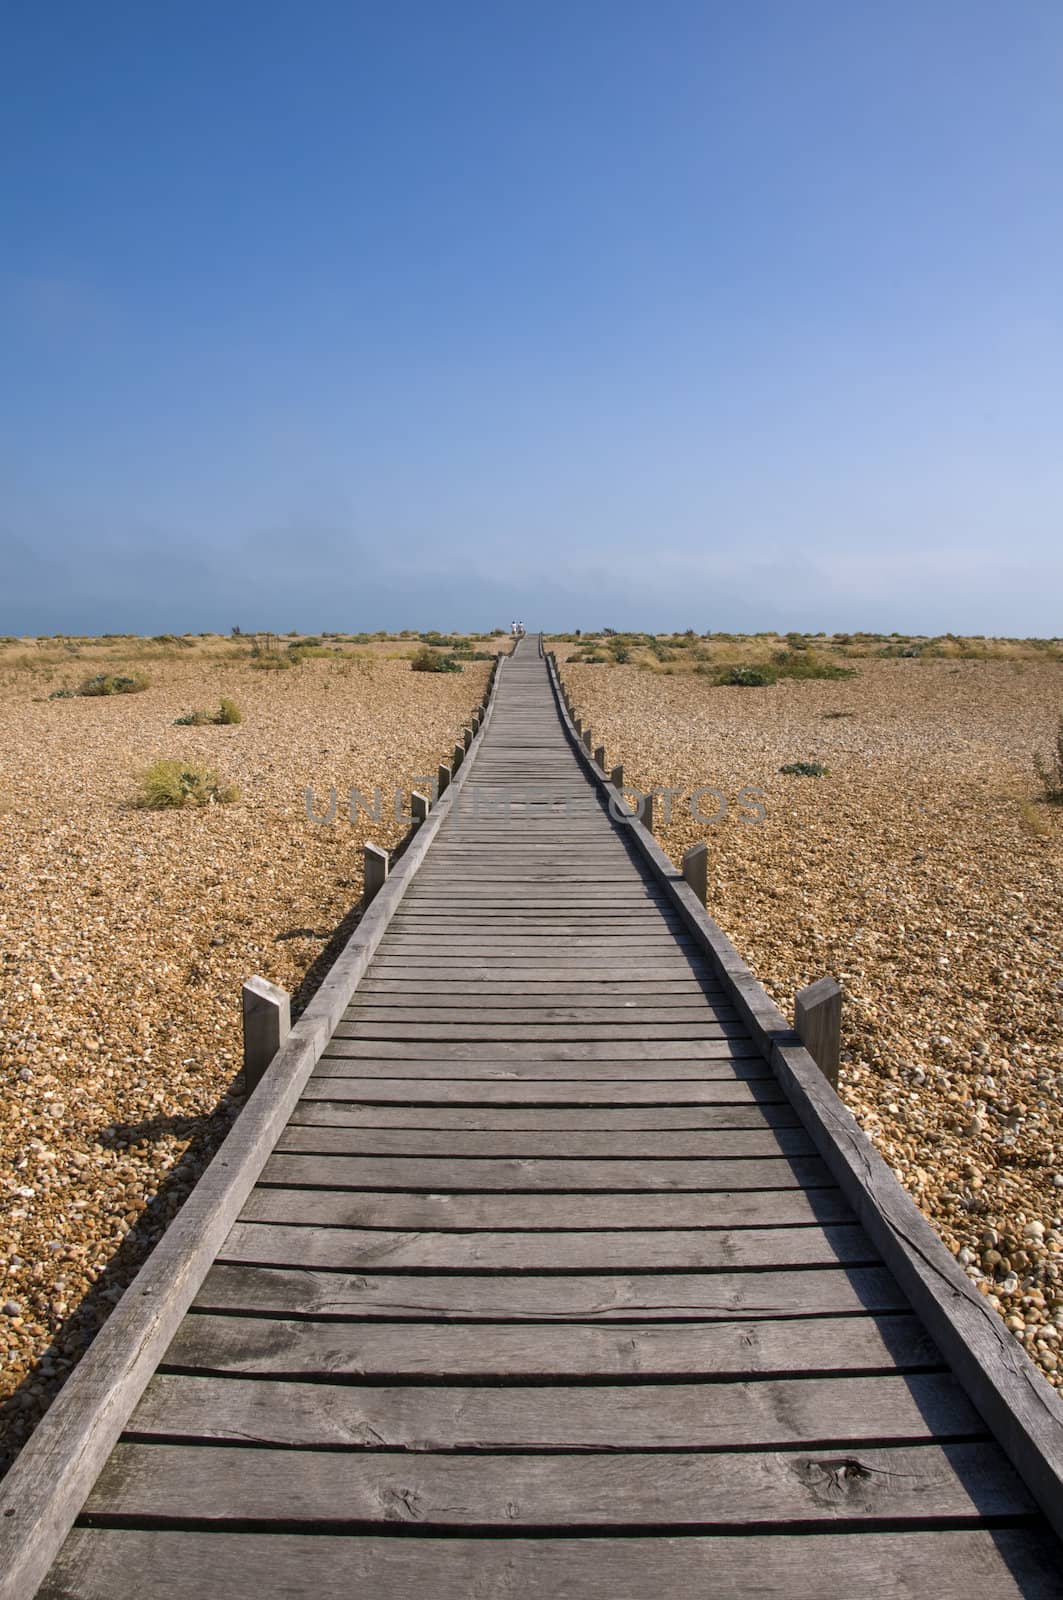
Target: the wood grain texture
(558, 1119)
(443, 1143)
(619, 1490)
(366, 1208)
(278, 1347)
(563, 1297)
(761, 1413)
(1007, 1564)
(412, 1172)
(621, 1250)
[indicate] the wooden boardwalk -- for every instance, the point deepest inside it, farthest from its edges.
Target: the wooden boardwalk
(545, 1287)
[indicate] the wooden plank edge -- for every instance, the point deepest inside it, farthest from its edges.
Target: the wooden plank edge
(51, 1478)
(1020, 1408)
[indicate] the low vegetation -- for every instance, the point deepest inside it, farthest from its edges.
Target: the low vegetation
(168, 784)
(805, 769)
(429, 660)
(227, 713)
(722, 656)
(105, 683)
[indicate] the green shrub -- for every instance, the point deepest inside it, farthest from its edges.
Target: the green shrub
(106, 683)
(427, 660)
(805, 769)
(63, 694)
(1050, 772)
(270, 661)
(168, 784)
(227, 712)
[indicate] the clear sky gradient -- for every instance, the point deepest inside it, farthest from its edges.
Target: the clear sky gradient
(721, 315)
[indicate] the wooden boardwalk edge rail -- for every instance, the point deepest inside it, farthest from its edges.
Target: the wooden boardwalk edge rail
(1023, 1411)
(47, 1485)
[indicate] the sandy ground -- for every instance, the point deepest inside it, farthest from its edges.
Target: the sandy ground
(125, 936)
(923, 873)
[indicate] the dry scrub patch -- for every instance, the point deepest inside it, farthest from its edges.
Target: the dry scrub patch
(125, 935)
(925, 873)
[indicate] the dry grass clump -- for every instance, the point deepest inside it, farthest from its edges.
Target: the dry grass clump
(169, 784)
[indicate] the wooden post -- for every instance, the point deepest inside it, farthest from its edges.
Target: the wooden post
(577, 723)
(587, 739)
(457, 757)
(696, 870)
(443, 777)
(647, 811)
(375, 870)
(818, 1020)
(616, 777)
(599, 756)
(267, 1023)
(467, 735)
(420, 805)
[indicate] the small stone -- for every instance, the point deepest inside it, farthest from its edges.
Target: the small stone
(11, 1308)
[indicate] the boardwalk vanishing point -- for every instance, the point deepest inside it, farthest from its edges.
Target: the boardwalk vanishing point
(542, 1262)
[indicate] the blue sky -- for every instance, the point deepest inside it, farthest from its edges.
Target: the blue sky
(715, 315)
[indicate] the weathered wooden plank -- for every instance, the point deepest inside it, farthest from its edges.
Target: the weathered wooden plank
(727, 1042)
(441, 968)
(560, 1119)
(521, 991)
(506, 1090)
(615, 1250)
(723, 1068)
(443, 1143)
(276, 1347)
(562, 1297)
(353, 1208)
(423, 1172)
(482, 941)
(465, 1031)
(519, 1020)
(1007, 1564)
(676, 1490)
(756, 1414)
